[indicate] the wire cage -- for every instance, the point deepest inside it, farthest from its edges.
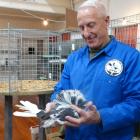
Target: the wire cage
(31, 61)
(10, 43)
(127, 30)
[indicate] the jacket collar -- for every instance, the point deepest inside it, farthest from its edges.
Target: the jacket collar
(109, 48)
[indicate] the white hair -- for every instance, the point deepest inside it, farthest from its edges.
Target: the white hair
(98, 4)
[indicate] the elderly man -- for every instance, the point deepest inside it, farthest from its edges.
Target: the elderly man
(107, 72)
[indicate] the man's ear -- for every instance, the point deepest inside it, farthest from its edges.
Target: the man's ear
(107, 20)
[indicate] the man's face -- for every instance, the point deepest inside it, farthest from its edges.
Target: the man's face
(93, 27)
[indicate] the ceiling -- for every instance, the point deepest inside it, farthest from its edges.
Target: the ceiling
(14, 8)
(8, 12)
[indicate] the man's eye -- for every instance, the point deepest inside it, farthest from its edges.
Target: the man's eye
(91, 25)
(81, 28)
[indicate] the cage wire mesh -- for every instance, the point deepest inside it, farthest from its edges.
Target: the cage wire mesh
(32, 60)
(9, 60)
(38, 49)
(127, 30)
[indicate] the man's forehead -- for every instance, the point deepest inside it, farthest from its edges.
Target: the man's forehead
(88, 12)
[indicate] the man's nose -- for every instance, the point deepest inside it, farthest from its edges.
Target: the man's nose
(86, 32)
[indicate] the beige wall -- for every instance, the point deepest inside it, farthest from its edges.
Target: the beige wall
(63, 3)
(123, 8)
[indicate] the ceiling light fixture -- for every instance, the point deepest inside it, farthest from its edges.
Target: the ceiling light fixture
(45, 22)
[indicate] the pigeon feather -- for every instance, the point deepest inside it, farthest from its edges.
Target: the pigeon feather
(63, 102)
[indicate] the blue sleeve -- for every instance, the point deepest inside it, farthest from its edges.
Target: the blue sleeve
(64, 82)
(128, 111)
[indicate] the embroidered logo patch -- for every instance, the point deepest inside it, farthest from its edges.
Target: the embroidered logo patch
(114, 67)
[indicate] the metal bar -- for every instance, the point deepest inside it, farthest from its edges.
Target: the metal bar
(8, 118)
(42, 99)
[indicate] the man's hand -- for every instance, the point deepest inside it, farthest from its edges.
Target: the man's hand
(49, 106)
(89, 115)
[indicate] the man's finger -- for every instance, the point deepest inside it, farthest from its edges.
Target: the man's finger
(90, 106)
(70, 124)
(72, 121)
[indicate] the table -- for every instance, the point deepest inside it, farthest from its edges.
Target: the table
(8, 112)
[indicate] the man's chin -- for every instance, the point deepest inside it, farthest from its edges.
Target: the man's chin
(95, 47)
(92, 46)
